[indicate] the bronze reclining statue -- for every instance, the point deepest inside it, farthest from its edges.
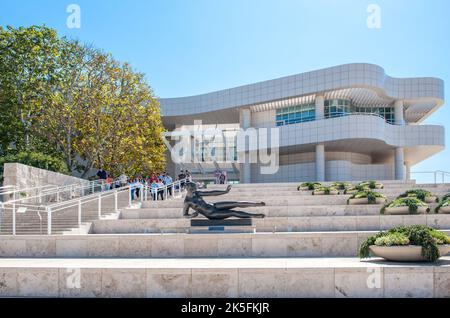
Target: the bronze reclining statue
(218, 210)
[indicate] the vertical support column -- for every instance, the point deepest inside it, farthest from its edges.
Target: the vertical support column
(115, 201)
(245, 168)
(49, 220)
(99, 206)
(408, 171)
(79, 213)
(398, 112)
(320, 107)
(399, 163)
(320, 162)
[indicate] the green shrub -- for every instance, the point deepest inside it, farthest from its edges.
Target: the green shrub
(370, 195)
(444, 203)
(445, 197)
(35, 159)
(419, 235)
(310, 185)
(420, 194)
(341, 185)
(358, 188)
(411, 202)
(326, 190)
(392, 239)
(371, 184)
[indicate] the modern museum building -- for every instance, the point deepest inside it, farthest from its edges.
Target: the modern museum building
(343, 123)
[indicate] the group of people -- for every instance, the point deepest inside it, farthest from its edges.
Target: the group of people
(220, 177)
(160, 184)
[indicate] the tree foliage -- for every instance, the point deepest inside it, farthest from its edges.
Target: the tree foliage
(78, 102)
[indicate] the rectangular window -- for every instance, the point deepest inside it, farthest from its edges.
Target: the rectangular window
(295, 114)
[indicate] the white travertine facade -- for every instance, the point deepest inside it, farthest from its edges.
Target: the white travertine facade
(348, 122)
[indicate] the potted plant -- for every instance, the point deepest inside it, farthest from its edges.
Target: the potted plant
(325, 190)
(342, 185)
(366, 197)
(408, 205)
(411, 243)
(372, 184)
(444, 206)
(356, 189)
(422, 195)
(305, 186)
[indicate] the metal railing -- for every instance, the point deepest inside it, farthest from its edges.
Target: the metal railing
(19, 206)
(49, 193)
(436, 177)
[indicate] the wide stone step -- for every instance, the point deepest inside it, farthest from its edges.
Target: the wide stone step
(271, 200)
(224, 278)
(269, 211)
(280, 224)
(295, 184)
(293, 244)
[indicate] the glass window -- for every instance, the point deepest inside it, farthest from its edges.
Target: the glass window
(295, 114)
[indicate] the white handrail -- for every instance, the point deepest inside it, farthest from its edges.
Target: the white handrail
(439, 176)
(54, 190)
(99, 196)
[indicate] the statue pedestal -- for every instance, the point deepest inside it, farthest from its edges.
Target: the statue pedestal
(221, 226)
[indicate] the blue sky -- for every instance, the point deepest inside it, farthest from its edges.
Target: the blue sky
(187, 47)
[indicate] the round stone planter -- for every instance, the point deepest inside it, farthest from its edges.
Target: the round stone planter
(365, 201)
(407, 253)
(304, 189)
(431, 199)
(403, 210)
(444, 210)
(351, 191)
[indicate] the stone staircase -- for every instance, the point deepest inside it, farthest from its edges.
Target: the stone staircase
(305, 247)
(34, 222)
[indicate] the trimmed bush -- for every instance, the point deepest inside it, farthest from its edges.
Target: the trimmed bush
(411, 202)
(445, 202)
(372, 184)
(370, 195)
(392, 239)
(326, 190)
(309, 185)
(418, 193)
(342, 185)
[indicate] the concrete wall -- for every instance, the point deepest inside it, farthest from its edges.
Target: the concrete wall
(24, 176)
(335, 170)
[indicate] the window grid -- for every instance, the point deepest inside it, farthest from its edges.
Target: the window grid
(295, 114)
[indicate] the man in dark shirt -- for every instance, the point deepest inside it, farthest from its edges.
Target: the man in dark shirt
(102, 174)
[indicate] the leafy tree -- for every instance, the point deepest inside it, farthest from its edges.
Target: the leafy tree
(76, 102)
(28, 64)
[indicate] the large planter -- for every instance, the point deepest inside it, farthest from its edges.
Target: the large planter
(365, 201)
(404, 210)
(304, 189)
(351, 191)
(407, 253)
(444, 210)
(431, 199)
